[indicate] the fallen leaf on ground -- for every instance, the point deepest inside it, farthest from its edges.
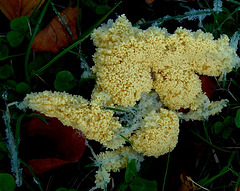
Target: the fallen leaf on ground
(149, 1)
(40, 166)
(52, 145)
(16, 8)
(55, 35)
(238, 188)
(187, 184)
(208, 85)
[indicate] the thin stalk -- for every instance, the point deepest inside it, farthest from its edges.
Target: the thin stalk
(208, 142)
(237, 183)
(17, 132)
(36, 8)
(62, 20)
(206, 131)
(12, 56)
(60, 55)
(186, 15)
(214, 16)
(231, 158)
(32, 39)
(215, 177)
(76, 53)
(165, 176)
(126, 139)
(234, 172)
(114, 109)
(31, 171)
(235, 83)
(229, 16)
(235, 2)
(79, 17)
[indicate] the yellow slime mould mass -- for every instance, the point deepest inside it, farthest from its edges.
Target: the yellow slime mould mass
(75, 111)
(130, 61)
(143, 78)
(158, 134)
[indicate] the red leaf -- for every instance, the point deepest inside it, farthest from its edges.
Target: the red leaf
(69, 143)
(55, 35)
(208, 85)
(40, 166)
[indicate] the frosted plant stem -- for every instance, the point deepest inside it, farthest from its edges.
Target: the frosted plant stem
(12, 149)
(189, 178)
(98, 164)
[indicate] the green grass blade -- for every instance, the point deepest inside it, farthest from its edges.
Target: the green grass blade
(228, 17)
(238, 158)
(60, 55)
(12, 56)
(17, 132)
(33, 174)
(32, 39)
(235, 71)
(208, 142)
(231, 158)
(212, 12)
(206, 131)
(36, 8)
(215, 177)
(114, 109)
(165, 176)
(126, 139)
(238, 182)
(234, 172)
(235, 2)
(79, 17)
(62, 20)
(235, 83)
(76, 53)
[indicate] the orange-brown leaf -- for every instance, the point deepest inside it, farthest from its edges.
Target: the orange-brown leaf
(187, 184)
(149, 1)
(238, 188)
(17, 8)
(55, 35)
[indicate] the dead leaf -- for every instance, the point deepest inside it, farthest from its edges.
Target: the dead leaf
(64, 144)
(40, 166)
(17, 8)
(149, 1)
(55, 35)
(187, 184)
(238, 188)
(208, 85)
